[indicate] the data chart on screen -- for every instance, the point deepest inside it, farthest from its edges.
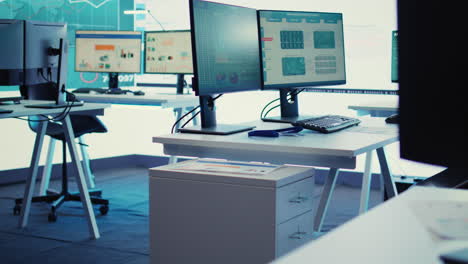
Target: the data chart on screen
(168, 52)
(302, 48)
(108, 51)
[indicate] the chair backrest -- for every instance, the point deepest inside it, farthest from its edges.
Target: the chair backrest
(82, 124)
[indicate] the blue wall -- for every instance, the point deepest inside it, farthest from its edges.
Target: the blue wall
(79, 15)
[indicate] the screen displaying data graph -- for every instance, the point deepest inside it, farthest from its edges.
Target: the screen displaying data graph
(108, 51)
(168, 52)
(301, 48)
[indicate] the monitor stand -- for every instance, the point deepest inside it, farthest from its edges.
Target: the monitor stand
(289, 108)
(208, 121)
(180, 83)
(114, 84)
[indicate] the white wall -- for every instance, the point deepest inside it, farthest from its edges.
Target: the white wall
(367, 31)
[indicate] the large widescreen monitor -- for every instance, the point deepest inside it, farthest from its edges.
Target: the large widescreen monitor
(45, 63)
(168, 52)
(113, 52)
(12, 63)
(433, 113)
(11, 51)
(108, 51)
(226, 57)
(300, 49)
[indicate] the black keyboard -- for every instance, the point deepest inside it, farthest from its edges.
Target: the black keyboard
(328, 123)
(88, 90)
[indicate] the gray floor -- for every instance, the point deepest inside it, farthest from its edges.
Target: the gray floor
(124, 230)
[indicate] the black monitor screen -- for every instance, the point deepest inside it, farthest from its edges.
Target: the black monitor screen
(225, 47)
(11, 51)
(432, 108)
(301, 48)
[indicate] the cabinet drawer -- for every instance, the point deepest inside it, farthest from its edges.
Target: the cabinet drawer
(294, 233)
(294, 199)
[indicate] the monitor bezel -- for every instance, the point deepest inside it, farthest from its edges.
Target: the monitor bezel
(394, 56)
(164, 31)
(123, 31)
(302, 84)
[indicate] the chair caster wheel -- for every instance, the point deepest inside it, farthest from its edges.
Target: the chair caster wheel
(16, 210)
(104, 209)
(52, 217)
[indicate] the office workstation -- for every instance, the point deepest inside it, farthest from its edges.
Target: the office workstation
(275, 159)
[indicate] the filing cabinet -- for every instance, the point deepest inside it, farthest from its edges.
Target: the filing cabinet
(201, 216)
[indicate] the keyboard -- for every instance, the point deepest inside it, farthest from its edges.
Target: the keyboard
(328, 123)
(88, 90)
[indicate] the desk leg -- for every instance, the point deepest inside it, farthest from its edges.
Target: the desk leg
(85, 163)
(34, 167)
(46, 173)
(390, 187)
(80, 179)
(325, 198)
(178, 114)
(366, 182)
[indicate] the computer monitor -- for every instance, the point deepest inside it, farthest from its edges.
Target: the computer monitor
(298, 50)
(394, 63)
(45, 61)
(433, 124)
(169, 52)
(110, 52)
(226, 58)
(12, 62)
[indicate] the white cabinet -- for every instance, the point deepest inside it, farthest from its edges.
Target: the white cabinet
(213, 217)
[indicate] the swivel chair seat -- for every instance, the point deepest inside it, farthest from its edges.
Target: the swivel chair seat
(82, 124)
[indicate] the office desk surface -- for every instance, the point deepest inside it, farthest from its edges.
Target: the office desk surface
(389, 233)
(381, 108)
(20, 109)
(337, 149)
(153, 99)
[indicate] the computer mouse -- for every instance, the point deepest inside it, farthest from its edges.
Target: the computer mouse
(138, 93)
(393, 119)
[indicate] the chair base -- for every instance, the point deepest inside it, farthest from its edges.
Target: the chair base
(57, 199)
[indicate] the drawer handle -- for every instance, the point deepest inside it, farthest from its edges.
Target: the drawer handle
(299, 199)
(298, 235)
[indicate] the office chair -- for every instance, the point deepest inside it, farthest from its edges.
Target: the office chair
(82, 124)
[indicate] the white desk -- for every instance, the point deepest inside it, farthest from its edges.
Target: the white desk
(336, 150)
(179, 103)
(376, 108)
(389, 233)
(152, 99)
(20, 110)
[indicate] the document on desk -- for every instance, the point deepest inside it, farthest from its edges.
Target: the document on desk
(233, 167)
(447, 219)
